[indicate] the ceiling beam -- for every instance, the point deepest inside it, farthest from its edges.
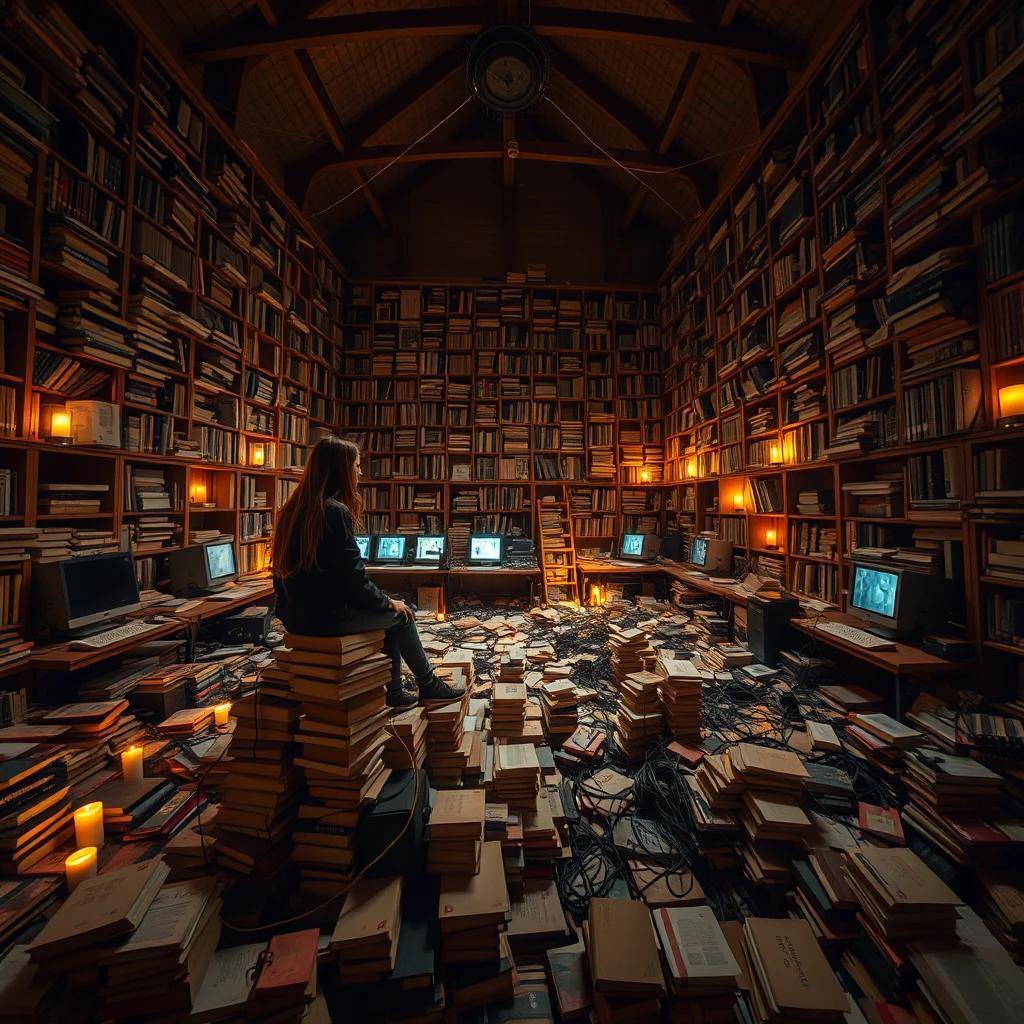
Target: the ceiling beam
(463, 21)
(636, 200)
(223, 84)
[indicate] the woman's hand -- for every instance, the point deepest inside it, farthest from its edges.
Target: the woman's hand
(402, 609)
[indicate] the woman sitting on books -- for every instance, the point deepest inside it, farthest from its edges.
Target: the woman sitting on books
(321, 582)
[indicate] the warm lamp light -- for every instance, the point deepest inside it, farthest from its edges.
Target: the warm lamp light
(220, 714)
(59, 429)
(776, 455)
(197, 492)
(645, 475)
(79, 866)
(595, 594)
(769, 538)
(737, 501)
(258, 455)
(1011, 406)
(691, 468)
(439, 616)
(131, 764)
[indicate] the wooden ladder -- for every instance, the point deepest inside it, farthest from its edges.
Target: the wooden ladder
(557, 546)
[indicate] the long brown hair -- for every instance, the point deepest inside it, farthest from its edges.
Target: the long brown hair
(330, 473)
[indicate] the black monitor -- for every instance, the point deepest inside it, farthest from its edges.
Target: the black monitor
(363, 543)
(390, 548)
(75, 593)
(202, 568)
(486, 549)
(895, 601)
(430, 549)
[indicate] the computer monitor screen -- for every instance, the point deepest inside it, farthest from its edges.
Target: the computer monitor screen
(699, 550)
(220, 561)
(874, 590)
(633, 544)
(390, 549)
(485, 549)
(99, 587)
(429, 548)
(363, 543)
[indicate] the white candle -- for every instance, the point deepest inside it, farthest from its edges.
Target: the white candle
(89, 825)
(80, 866)
(220, 714)
(131, 764)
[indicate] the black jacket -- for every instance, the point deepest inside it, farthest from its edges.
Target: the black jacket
(318, 602)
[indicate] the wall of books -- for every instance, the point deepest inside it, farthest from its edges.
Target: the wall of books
(473, 400)
(168, 322)
(843, 326)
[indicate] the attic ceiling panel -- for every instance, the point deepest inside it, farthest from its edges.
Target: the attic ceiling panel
(188, 18)
(274, 107)
(339, 8)
(427, 113)
(673, 211)
(809, 21)
(591, 118)
(358, 76)
(322, 205)
(639, 8)
(721, 118)
(645, 75)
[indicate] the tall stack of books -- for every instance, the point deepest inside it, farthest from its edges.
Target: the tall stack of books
(516, 777)
(406, 745)
(771, 802)
(680, 696)
(456, 832)
(881, 740)
(260, 795)
(559, 707)
(341, 683)
(365, 937)
(472, 910)
(508, 698)
(638, 720)
(629, 651)
(448, 743)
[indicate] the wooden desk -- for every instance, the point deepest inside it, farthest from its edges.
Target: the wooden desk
(57, 657)
(906, 660)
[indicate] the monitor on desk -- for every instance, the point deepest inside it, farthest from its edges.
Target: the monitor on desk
(363, 543)
(429, 550)
(76, 593)
(711, 554)
(390, 549)
(639, 547)
(895, 601)
(202, 568)
(485, 549)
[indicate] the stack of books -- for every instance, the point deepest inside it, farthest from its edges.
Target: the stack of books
(508, 698)
(559, 706)
(516, 777)
(587, 743)
(629, 651)
(638, 720)
(774, 779)
(448, 743)
(340, 682)
(37, 812)
(456, 832)
(680, 696)
(286, 988)
(365, 937)
(406, 745)
(472, 910)
(718, 784)
(823, 897)
(881, 740)
(261, 792)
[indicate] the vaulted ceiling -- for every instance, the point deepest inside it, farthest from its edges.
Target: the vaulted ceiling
(329, 93)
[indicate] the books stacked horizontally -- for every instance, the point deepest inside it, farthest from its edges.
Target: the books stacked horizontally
(341, 682)
(35, 808)
(407, 740)
(638, 719)
(260, 794)
(448, 743)
(94, 729)
(473, 910)
(881, 740)
(516, 777)
(680, 696)
(900, 895)
(365, 937)
(559, 707)
(699, 965)
(774, 779)
(629, 651)
(790, 979)
(456, 832)
(286, 987)
(624, 963)
(718, 783)
(587, 743)
(167, 957)
(824, 898)
(508, 705)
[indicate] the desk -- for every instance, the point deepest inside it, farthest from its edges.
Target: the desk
(906, 660)
(57, 657)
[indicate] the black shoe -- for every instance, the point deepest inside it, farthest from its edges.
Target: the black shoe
(436, 691)
(402, 698)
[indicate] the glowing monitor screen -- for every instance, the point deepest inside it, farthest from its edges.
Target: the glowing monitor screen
(699, 551)
(429, 548)
(363, 543)
(485, 549)
(633, 544)
(220, 560)
(390, 549)
(874, 590)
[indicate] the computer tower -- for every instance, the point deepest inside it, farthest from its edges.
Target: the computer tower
(768, 627)
(406, 791)
(672, 546)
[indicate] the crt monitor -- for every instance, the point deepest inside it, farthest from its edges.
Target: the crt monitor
(390, 549)
(429, 549)
(711, 554)
(895, 601)
(75, 593)
(363, 543)
(643, 547)
(486, 549)
(202, 568)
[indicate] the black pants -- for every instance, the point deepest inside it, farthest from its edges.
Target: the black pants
(401, 643)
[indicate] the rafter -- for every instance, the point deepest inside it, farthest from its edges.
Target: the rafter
(458, 21)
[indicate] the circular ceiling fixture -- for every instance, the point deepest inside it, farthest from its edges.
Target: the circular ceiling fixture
(507, 68)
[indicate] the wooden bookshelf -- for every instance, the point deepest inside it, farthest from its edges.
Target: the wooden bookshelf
(784, 323)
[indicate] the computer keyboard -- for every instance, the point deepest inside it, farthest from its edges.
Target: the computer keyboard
(855, 636)
(117, 635)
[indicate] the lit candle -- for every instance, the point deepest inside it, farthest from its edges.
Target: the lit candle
(80, 866)
(645, 475)
(257, 455)
(769, 537)
(89, 825)
(595, 594)
(691, 468)
(220, 714)
(131, 764)
(198, 492)
(776, 456)
(60, 423)
(1011, 405)
(737, 501)
(439, 616)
